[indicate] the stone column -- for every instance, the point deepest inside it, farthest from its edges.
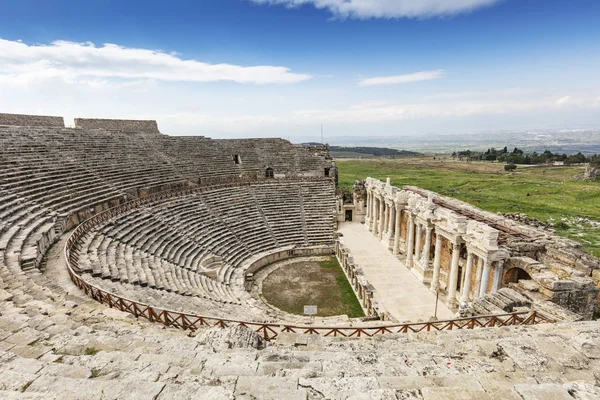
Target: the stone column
(368, 211)
(388, 217)
(397, 230)
(418, 242)
(384, 220)
(498, 273)
(381, 217)
(381, 228)
(410, 241)
(375, 214)
(427, 249)
(437, 262)
(370, 207)
(478, 277)
(392, 220)
(466, 287)
(485, 278)
(453, 280)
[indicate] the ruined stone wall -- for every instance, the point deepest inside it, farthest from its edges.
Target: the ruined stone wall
(591, 173)
(124, 125)
(286, 160)
(31, 120)
(565, 258)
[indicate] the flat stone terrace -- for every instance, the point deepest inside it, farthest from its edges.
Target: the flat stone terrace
(402, 295)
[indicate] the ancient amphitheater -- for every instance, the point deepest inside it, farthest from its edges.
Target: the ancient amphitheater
(130, 261)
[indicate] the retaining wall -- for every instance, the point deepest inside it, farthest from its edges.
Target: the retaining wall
(124, 125)
(31, 120)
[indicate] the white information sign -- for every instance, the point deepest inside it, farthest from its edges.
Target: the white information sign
(310, 310)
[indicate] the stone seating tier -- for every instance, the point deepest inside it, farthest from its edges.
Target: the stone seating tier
(51, 178)
(192, 245)
(67, 347)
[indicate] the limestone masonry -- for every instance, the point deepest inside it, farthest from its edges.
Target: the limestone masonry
(124, 125)
(467, 254)
(30, 120)
(109, 241)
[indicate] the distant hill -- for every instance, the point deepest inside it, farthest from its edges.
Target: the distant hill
(348, 152)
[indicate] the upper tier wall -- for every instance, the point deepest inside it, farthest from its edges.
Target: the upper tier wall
(31, 120)
(125, 125)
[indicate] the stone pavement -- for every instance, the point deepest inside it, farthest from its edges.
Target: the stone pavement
(398, 290)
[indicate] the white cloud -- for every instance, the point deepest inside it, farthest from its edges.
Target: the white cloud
(562, 101)
(24, 63)
(477, 94)
(407, 78)
(388, 8)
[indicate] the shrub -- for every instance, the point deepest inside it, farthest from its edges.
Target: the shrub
(561, 225)
(90, 351)
(510, 167)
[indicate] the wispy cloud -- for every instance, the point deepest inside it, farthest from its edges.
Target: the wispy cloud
(562, 101)
(407, 78)
(21, 62)
(364, 113)
(477, 94)
(364, 9)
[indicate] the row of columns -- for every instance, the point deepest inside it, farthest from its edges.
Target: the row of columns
(482, 275)
(385, 220)
(382, 216)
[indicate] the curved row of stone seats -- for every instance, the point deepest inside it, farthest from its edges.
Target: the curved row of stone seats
(317, 208)
(128, 163)
(282, 208)
(192, 217)
(238, 209)
(112, 259)
(188, 155)
(193, 244)
(246, 309)
(52, 178)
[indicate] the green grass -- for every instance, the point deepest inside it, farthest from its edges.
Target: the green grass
(322, 283)
(348, 297)
(90, 351)
(546, 193)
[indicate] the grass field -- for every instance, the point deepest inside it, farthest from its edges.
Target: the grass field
(322, 283)
(547, 193)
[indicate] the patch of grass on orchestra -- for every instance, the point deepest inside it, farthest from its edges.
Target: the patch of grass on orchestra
(312, 283)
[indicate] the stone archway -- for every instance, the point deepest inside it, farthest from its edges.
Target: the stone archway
(513, 275)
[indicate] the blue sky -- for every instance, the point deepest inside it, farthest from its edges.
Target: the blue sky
(234, 68)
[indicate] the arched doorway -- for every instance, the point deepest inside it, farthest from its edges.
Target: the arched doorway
(269, 173)
(515, 275)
